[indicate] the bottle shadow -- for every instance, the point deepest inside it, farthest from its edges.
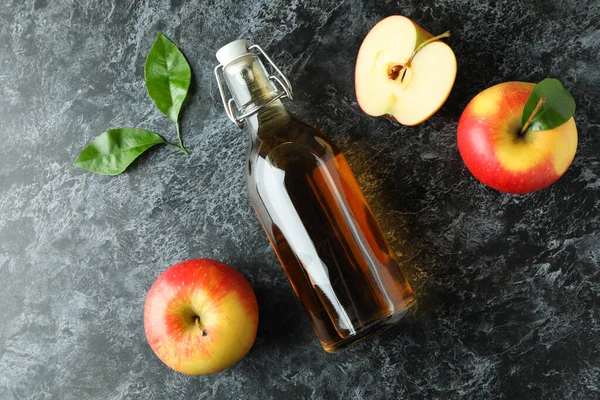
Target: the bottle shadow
(410, 184)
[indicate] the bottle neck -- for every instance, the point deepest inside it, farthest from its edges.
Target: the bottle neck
(251, 88)
(267, 120)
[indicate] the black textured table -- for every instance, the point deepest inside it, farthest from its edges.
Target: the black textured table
(509, 286)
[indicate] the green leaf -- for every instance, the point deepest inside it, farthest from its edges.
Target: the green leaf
(557, 108)
(112, 151)
(168, 76)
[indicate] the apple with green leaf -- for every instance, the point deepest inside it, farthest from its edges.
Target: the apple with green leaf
(519, 137)
(200, 317)
(403, 72)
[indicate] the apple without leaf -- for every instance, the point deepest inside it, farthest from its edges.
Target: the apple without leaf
(500, 153)
(403, 72)
(200, 317)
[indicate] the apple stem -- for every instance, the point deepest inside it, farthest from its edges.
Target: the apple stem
(199, 325)
(532, 116)
(197, 321)
(425, 43)
(397, 69)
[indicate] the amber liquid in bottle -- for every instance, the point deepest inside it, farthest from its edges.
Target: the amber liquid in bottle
(324, 233)
(316, 217)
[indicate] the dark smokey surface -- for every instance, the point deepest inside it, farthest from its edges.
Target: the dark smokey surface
(508, 285)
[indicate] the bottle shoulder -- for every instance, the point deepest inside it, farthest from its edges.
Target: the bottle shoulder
(292, 133)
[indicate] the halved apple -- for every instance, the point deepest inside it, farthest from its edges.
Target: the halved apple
(403, 72)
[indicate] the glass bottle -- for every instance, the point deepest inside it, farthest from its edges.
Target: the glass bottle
(312, 209)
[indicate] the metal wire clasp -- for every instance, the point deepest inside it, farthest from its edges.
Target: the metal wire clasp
(230, 106)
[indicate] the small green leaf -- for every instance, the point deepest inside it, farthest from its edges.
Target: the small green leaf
(112, 151)
(168, 77)
(558, 107)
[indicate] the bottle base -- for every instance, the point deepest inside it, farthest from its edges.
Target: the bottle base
(373, 328)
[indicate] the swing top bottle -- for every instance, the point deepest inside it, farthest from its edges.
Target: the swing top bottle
(317, 219)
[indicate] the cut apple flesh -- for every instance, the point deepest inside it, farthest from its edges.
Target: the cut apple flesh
(417, 92)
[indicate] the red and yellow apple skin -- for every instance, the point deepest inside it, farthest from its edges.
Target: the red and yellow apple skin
(200, 317)
(490, 143)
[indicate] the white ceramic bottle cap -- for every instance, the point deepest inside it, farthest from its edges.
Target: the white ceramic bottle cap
(232, 50)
